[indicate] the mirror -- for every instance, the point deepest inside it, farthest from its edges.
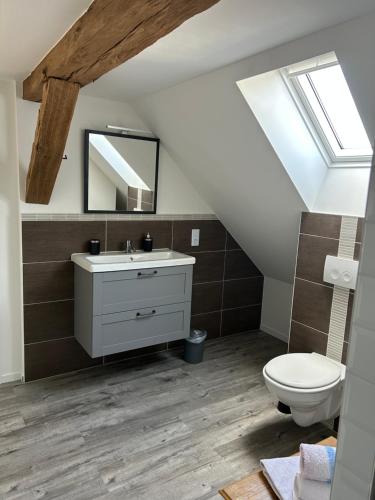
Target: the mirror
(120, 173)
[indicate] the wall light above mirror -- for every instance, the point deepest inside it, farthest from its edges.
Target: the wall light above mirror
(120, 173)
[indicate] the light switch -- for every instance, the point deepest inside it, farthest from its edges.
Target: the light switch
(195, 237)
(341, 272)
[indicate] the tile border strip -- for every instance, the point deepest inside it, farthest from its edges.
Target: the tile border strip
(115, 217)
(340, 298)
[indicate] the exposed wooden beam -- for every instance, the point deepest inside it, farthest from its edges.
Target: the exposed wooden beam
(107, 35)
(55, 114)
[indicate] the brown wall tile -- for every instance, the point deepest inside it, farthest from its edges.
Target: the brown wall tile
(305, 339)
(132, 204)
(211, 322)
(48, 286)
(48, 281)
(357, 251)
(209, 266)
(48, 321)
(132, 192)
(359, 235)
(206, 297)
(241, 320)
(345, 350)
(349, 317)
(147, 207)
(321, 224)
(232, 243)
(147, 196)
(238, 265)
(312, 252)
(120, 231)
(242, 292)
(45, 359)
(312, 304)
(212, 235)
(44, 241)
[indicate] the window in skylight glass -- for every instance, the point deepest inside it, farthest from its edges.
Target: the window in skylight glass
(326, 97)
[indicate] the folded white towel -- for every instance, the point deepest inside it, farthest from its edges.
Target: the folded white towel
(305, 489)
(317, 462)
(280, 473)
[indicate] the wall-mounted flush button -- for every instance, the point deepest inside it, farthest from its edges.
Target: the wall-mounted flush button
(347, 277)
(341, 272)
(195, 237)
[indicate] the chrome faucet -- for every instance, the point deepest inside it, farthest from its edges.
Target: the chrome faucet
(129, 247)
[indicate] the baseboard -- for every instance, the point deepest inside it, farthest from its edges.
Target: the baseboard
(275, 333)
(10, 377)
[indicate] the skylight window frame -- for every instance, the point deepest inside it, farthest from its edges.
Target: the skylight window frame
(333, 158)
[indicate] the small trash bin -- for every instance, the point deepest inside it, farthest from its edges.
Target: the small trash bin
(194, 346)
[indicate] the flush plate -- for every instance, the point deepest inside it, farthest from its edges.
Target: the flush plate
(341, 272)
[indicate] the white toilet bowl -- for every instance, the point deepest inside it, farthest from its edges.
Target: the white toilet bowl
(309, 383)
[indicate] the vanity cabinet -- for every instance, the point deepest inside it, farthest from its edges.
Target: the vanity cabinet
(122, 310)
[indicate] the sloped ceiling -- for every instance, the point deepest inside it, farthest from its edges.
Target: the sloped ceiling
(228, 32)
(211, 133)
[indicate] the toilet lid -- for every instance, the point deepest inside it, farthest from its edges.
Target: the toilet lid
(304, 371)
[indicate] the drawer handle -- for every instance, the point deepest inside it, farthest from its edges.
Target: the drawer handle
(145, 315)
(147, 275)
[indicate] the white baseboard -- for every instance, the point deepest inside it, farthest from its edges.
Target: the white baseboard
(10, 377)
(275, 333)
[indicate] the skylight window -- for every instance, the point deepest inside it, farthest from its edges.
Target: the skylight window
(325, 100)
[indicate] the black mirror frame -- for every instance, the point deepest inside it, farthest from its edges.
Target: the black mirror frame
(86, 172)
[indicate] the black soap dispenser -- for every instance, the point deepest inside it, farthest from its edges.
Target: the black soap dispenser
(147, 243)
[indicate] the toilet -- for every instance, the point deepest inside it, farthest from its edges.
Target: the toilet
(309, 383)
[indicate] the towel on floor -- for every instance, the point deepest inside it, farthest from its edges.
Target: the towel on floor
(317, 462)
(280, 473)
(305, 489)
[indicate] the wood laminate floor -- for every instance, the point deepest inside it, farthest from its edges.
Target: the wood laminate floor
(150, 428)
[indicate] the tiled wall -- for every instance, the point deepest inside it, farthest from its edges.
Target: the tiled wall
(312, 301)
(227, 286)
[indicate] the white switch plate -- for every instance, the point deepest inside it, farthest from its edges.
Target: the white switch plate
(195, 237)
(341, 272)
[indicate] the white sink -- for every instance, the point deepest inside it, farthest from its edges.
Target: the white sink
(120, 261)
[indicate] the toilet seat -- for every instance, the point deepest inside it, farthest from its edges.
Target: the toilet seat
(303, 370)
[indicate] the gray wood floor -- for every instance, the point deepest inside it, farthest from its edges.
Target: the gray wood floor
(151, 428)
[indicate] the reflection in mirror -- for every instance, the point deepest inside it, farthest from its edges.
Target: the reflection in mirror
(120, 172)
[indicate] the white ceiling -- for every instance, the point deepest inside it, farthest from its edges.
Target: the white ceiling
(229, 31)
(29, 28)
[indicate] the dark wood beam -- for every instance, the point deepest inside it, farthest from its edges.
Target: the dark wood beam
(108, 34)
(55, 114)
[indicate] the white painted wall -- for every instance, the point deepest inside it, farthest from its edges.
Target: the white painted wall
(276, 308)
(355, 464)
(176, 194)
(218, 143)
(323, 189)
(210, 132)
(344, 191)
(102, 191)
(273, 106)
(11, 332)
(220, 146)
(140, 155)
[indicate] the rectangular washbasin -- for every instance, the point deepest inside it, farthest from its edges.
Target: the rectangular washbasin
(120, 261)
